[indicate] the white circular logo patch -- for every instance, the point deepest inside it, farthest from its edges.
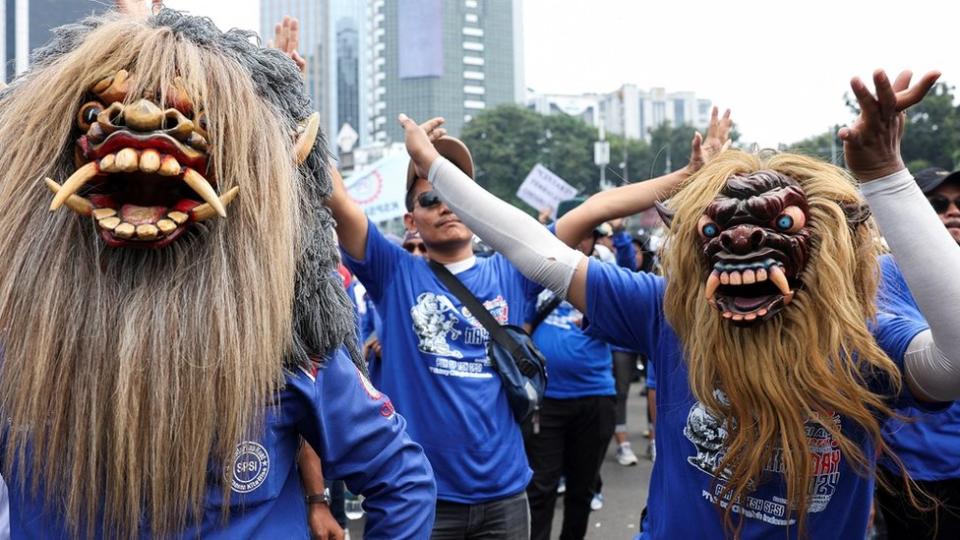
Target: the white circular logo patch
(251, 465)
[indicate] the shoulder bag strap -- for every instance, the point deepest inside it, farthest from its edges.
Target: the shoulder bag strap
(479, 311)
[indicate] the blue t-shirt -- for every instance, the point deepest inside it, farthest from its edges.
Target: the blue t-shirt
(627, 308)
(928, 444)
(369, 326)
(578, 365)
(436, 370)
(651, 375)
(627, 258)
(355, 431)
(626, 251)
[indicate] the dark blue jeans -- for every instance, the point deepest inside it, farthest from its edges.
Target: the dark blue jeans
(503, 519)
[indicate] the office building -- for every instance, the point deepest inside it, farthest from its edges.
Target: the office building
(25, 25)
(450, 58)
(628, 110)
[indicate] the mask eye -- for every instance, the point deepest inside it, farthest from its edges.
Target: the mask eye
(707, 228)
(791, 220)
(201, 121)
(88, 113)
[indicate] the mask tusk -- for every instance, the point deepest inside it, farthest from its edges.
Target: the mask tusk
(199, 184)
(205, 211)
(307, 138)
(76, 203)
(73, 184)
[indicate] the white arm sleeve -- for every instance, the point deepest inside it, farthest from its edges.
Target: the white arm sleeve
(929, 259)
(532, 249)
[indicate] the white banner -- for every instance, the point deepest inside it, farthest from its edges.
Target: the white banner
(380, 187)
(544, 189)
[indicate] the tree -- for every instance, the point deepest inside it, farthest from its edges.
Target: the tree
(671, 147)
(507, 141)
(825, 146)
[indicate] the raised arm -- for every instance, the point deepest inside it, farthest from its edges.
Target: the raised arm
(925, 252)
(532, 249)
(639, 196)
(350, 217)
(286, 39)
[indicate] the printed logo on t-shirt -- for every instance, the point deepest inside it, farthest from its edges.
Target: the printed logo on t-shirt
(434, 321)
(251, 465)
(565, 317)
(459, 347)
(708, 432)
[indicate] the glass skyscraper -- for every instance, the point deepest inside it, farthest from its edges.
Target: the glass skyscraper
(25, 25)
(450, 58)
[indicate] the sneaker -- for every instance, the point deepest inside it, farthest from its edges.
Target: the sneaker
(597, 502)
(562, 486)
(625, 455)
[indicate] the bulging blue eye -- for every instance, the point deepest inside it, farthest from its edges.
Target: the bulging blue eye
(710, 230)
(784, 223)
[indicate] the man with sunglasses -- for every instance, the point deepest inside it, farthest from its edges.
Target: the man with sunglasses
(435, 366)
(927, 444)
(413, 243)
(942, 189)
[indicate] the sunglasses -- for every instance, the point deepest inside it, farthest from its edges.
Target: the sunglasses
(941, 203)
(428, 199)
(414, 247)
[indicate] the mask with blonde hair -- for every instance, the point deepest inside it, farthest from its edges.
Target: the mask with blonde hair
(771, 269)
(149, 320)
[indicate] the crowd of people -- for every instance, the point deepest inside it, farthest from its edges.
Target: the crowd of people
(797, 323)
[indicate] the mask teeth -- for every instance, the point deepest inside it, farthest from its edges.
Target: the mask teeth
(745, 273)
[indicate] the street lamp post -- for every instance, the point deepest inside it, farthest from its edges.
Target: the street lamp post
(601, 155)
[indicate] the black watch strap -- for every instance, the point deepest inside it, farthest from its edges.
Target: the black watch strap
(319, 498)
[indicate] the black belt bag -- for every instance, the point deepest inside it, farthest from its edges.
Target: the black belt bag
(512, 352)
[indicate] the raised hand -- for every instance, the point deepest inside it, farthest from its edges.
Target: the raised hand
(618, 224)
(872, 144)
(286, 39)
(544, 216)
(138, 8)
(419, 141)
(702, 150)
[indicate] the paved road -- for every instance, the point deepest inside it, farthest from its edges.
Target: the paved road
(624, 488)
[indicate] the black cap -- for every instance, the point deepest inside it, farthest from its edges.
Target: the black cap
(568, 205)
(930, 179)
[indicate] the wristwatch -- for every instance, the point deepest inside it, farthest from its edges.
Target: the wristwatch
(319, 498)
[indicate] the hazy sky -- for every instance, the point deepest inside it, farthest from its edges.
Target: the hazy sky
(782, 67)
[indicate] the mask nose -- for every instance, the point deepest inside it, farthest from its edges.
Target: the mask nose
(143, 115)
(742, 239)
